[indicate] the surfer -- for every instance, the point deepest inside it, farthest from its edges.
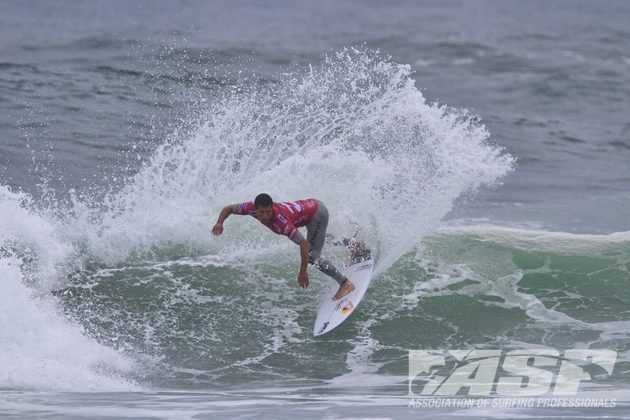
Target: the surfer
(285, 219)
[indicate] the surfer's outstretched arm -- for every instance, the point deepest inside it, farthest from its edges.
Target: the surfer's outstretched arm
(218, 226)
(305, 249)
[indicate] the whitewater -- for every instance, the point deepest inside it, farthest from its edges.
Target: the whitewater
(502, 226)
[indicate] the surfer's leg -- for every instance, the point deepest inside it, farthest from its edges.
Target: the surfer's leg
(316, 236)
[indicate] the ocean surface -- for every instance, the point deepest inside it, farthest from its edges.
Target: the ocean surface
(481, 148)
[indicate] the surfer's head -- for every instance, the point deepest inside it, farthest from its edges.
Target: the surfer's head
(264, 207)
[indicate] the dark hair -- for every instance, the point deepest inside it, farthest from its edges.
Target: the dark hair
(262, 200)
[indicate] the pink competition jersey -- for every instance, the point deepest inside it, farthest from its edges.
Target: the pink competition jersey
(287, 216)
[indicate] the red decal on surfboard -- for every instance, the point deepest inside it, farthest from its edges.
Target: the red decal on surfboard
(347, 308)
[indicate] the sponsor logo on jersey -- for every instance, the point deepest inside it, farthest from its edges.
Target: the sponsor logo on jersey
(282, 218)
(277, 228)
(287, 207)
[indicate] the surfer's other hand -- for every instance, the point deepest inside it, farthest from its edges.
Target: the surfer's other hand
(303, 279)
(217, 229)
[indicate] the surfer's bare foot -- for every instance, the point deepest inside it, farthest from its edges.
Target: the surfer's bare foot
(345, 288)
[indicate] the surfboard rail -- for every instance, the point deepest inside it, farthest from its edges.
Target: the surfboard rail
(332, 313)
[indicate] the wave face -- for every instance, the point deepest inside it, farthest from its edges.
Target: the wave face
(145, 295)
(233, 319)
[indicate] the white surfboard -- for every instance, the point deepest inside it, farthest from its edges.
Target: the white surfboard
(331, 313)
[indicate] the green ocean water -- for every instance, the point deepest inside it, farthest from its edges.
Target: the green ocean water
(206, 323)
(479, 148)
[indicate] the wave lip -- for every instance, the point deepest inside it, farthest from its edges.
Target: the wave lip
(40, 349)
(354, 132)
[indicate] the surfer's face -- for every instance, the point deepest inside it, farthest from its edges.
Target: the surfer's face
(264, 213)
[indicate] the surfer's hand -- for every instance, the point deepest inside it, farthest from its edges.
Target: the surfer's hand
(303, 279)
(217, 229)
